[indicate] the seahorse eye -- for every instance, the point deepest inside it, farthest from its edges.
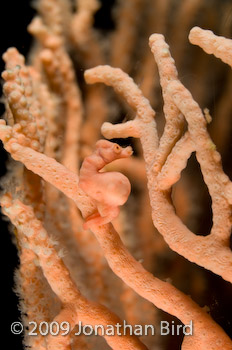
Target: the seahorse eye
(117, 148)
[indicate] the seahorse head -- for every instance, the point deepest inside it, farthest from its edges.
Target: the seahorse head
(111, 151)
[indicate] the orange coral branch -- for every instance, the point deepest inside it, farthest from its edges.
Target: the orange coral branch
(76, 306)
(212, 44)
(164, 218)
(124, 265)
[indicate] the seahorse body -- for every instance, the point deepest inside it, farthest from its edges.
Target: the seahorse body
(109, 189)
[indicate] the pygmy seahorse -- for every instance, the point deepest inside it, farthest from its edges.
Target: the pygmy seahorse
(108, 189)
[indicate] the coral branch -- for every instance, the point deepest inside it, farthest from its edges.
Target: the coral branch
(125, 86)
(208, 158)
(174, 119)
(161, 294)
(75, 305)
(171, 170)
(46, 167)
(164, 218)
(212, 44)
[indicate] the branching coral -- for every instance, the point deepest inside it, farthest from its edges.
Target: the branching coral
(67, 185)
(203, 249)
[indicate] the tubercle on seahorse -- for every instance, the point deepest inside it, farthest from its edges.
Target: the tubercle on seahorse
(109, 189)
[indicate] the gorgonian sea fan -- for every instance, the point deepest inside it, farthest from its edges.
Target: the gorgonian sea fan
(93, 229)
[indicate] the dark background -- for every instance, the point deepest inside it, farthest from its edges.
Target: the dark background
(15, 16)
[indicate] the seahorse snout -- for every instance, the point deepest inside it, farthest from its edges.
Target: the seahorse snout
(127, 152)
